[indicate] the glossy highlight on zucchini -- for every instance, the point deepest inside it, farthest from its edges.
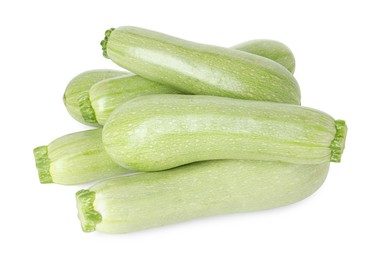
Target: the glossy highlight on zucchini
(104, 97)
(76, 158)
(153, 199)
(198, 68)
(159, 132)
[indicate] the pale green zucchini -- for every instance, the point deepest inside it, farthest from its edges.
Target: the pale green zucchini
(153, 199)
(82, 83)
(75, 158)
(158, 132)
(200, 69)
(270, 49)
(105, 96)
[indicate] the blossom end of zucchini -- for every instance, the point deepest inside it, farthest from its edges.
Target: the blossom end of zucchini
(104, 42)
(87, 111)
(338, 143)
(42, 163)
(88, 216)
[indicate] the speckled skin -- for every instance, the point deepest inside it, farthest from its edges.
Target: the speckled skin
(198, 68)
(154, 199)
(158, 132)
(105, 96)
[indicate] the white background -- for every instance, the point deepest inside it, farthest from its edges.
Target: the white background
(46, 43)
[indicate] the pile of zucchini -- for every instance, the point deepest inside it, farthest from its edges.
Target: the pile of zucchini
(192, 130)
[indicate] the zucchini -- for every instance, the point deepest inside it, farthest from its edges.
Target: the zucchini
(105, 96)
(159, 132)
(136, 202)
(82, 83)
(75, 158)
(270, 49)
(200, 69)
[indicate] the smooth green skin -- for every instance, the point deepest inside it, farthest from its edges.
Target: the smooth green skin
(153, 199)
(159, 132)
(104, 97)
(198, 68)
(270, 49)
(76, 158)
(82, 83)
(107, 95)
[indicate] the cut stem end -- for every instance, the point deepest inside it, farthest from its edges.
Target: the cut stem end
(104, 42)
(42, 163)
(88, 216)
(338, 143)
(87, 111)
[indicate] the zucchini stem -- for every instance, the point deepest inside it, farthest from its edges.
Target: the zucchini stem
(87, 111)
(104, 42)
(87, 214)
(338, 143)
(42, 164)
